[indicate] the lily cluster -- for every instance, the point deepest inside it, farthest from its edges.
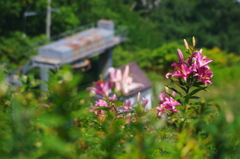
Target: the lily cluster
(194, 66)
(192, 71)
(167, 104)
(120, 83)
(125, 110)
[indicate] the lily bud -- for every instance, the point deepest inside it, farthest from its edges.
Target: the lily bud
(186, 44)
(180, 55)
(126, 72)
(166, 89)
(229, 116)
(193, 41)
(138, 96)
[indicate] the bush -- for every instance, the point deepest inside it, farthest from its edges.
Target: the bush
(16, 49)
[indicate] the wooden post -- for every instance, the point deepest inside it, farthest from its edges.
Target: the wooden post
(44, 71)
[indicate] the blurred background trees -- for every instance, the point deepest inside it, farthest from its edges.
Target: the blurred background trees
(151, 23)
(155, 29)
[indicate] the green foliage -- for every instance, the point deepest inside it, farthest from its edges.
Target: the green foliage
(10, 17)
(64, 20)
(204, 19)
(157, 60)
(221, 58)
(149, 25)
(16, 51)
(59, 125)
(225, 65)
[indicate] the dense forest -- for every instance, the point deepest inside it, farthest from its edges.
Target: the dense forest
(150, 23)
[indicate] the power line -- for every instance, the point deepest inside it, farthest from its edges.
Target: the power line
(48, 12)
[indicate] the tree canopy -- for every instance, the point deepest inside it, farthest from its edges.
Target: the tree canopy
(151, 23)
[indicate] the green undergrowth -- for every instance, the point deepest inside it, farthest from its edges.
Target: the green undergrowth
(59, 124)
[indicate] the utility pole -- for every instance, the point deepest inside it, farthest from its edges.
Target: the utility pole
(48, 18)
(48, 23)
(44, 71)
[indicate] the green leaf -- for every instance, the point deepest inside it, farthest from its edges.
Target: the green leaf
(187, 97)
(181, 84)
(197, 84)
(130, 111)
(103, 108)
(197, 90)
(173, 89)
(190, 95)
(167, 110)
(183, 88)
(117, 103)
(195, 97)
(177, 98)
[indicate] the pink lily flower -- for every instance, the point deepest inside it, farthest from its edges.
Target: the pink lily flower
(160, 110)
(126, 107)
(181, 72)
(99, 103)
(113, 98)
(122, 82)
(115, 76)
(200, 60)
(177, 65)
(144, 102)
(128, 85)
(204, 75)
(162, 96)
(101, 87)
(167, 103)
